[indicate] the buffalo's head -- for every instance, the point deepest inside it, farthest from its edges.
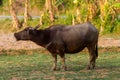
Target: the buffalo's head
(26, 34)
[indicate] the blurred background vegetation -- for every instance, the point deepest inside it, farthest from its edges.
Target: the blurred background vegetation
(104, 14)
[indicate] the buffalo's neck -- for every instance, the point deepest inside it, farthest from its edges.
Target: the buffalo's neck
(41, 40)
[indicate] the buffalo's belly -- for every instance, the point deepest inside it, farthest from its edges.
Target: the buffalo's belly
(74, 48)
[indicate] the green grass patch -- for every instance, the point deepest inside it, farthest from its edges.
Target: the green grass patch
(36, 66)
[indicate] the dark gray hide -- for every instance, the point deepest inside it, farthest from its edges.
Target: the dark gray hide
(61, 39)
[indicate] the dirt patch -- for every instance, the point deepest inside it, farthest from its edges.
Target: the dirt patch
(7, 41)
(109, 42)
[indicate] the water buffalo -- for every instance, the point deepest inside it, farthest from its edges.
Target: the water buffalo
(61, 39)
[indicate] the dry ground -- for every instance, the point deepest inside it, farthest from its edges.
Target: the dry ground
(7, 41)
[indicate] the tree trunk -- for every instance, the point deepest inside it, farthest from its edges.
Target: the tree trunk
(78, 15)
(102, 5)
(26, 14)
(49, 8)
(56, 11)
(73, 20)
(16, 23)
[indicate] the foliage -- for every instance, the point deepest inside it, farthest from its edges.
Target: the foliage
(116, 5)
(105, 15)
(37, 3)
(5, 26)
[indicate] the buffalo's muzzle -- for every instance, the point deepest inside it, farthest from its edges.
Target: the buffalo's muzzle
(16, 36)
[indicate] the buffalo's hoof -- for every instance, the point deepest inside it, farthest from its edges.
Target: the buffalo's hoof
(64, 68)
(54, 69)
(90, 67)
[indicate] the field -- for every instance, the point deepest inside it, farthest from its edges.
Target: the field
(24, 60)
(34, 65)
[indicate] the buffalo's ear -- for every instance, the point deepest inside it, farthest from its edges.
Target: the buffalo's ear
(32, 32)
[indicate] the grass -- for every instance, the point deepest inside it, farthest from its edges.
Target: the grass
(36, 66)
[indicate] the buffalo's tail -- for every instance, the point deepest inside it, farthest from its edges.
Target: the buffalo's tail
(96, 51)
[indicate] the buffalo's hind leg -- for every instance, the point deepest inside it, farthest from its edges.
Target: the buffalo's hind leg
(63, 61)
(92, 54)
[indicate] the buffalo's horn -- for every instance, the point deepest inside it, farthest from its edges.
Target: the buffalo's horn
(36, 27)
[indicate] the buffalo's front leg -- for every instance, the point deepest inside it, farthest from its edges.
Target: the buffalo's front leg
(63, 61)
(55, 62)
